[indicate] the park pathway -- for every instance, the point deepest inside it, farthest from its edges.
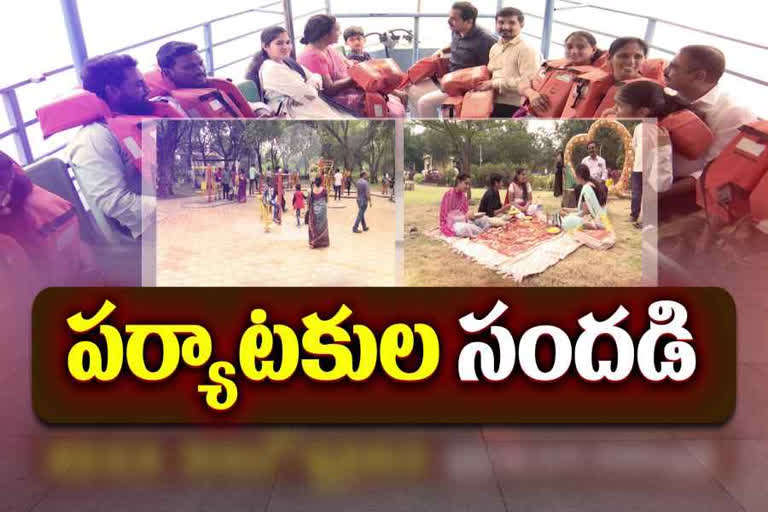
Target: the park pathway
(226, 246)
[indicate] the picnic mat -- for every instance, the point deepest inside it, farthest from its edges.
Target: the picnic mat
(516, 250)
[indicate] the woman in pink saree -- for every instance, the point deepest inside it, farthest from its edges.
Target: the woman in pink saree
(319, 56)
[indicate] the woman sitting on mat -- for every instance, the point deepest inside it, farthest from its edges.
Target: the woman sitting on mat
(490, 204)
(455, 219)
(520, 192)
(588, 214)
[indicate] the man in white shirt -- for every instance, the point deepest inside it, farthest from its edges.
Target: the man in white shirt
(510, 61)
(338, 181)
(694, 73)
(597, 167)
(104, 170)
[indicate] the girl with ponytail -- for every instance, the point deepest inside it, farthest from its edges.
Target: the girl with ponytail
(651, 142)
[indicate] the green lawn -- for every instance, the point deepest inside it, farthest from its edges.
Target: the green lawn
(429, 262)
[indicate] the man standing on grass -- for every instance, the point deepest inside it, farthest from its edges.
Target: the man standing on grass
(363, 202)
(597, 167)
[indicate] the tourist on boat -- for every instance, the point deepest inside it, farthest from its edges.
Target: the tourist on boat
(288, 87)
(318, 215)
(354, 37)
(695, 74)
(181, 67)
(105, 171)
(44, 226)
(580, 50)
(511, 62)
(321, 33)
(651, 141)
(470, 47)
(455, 219)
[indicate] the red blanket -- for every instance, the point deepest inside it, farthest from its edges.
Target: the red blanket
(515, 237)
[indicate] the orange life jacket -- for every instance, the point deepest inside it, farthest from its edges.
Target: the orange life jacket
(691, 137)
(593, 93)
(82, 107)
(730, 179)
(451, 107)
(477, 105)
(609, 101)
(460, 81)
(222, 99)
(377, 75)
(758, 204)
(555, 81)
(49, 232)
(428, 67)
(375, 105)
(587, 92)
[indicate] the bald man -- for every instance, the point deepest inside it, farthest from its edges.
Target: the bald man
(695, 73)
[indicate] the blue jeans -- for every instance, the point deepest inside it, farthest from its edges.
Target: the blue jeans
(637, 194)
(361, 207)
(298, 216)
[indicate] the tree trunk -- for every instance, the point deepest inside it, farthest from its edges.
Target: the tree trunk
(167, 138)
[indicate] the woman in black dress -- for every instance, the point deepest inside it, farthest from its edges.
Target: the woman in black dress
(558, 183)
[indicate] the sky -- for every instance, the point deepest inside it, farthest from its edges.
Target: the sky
(34, 38)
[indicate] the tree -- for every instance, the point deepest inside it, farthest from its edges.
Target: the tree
(461, 135)
(256, 135)
(377, 148)
(169, 135)
(296, 144)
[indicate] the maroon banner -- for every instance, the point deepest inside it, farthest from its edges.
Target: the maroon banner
(384, 355)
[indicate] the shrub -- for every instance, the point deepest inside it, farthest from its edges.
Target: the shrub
(418, 178)
(541, 181)
(433, 176)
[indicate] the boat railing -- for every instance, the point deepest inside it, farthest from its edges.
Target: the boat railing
(19, 126)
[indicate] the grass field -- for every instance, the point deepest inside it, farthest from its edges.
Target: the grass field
(429, 262)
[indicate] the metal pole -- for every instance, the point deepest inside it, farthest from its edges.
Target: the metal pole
(546, 32)
(415, 39)
(16, 119)
(650, 31)
(208, 35)
(75, 34)
(328, 7)
(288, 14)
(499, 5)
(399, 129)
